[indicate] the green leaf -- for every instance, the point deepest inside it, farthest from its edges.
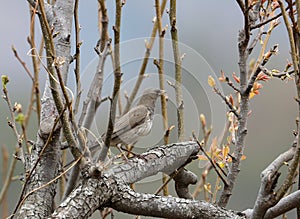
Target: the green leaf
(5, 81)
(20, 118)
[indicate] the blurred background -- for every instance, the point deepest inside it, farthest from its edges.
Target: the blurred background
(208, 35)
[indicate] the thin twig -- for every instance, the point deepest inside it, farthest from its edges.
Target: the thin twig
(12, 123)
(47, 184)
(8, 178)
(246, 24)
(165, 183)
(266, 21)
(51, 69)
(22, 63)
(178, 71)
(149, 46)
(36, 67)
(68, 133)
(117, 82)
(49, 139)
(160, 66)
(281, 75)
(103, 24)
(234, 169)
(262, 58)
(31, 102)
(258, 68)
(255, 40)
(230, 84)
(212, 162)
(77, 57)
(241, 4)
(208, 167)
(291, 38)
(231, 107)
(87, 114)
(295, 57)
(6, 181)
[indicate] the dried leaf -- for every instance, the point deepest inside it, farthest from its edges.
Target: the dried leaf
(207, 187)
(201, 157)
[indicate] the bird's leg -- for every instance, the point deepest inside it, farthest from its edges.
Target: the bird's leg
(134, 154)
(120, 148)
(129, 151)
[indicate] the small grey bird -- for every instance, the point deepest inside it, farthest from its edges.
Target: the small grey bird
(137, 122)
(134, 124)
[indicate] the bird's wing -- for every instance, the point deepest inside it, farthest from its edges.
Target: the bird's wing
(131, 119)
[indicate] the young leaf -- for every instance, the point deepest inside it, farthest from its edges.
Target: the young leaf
(211, 81)
(5, 80)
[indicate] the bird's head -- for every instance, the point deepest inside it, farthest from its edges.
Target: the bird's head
(150, 96)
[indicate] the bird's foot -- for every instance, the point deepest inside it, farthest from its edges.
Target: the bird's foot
(132, 153)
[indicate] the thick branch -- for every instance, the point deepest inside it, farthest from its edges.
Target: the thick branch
(39, 204)
(111, 189)
(284, 205)
(266, 197)
(168, 207)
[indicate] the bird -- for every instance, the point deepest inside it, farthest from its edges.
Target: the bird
(134, 124)
(137, 122)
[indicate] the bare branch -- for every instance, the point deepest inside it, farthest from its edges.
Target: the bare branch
(117, 82)
(91, 103)
(266, 197)
(286, 204)
(12, 123)
(178, 71)
(231, 107)
(8, 177)
(243, 41)
(77, 57)
(241, 4)
(212, 163)
(149, 46)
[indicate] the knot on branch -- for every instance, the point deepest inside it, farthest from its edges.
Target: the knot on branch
(182, 180)
(91, 170)
(270, 180)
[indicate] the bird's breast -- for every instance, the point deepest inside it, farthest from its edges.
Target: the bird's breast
(145, 128)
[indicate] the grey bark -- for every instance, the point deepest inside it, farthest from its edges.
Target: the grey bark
(40, 203)
(111, 189)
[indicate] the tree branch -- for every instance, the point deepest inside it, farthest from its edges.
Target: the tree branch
(110, 189)
(149, 46)
(117, 82)
(40, 203)
(178, 71)
(266, 197)
(286, 204)
(243, 41)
